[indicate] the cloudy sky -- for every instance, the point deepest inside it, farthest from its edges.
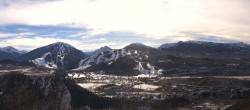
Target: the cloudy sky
(90, 24)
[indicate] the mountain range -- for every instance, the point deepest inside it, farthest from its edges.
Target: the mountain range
(208, 47)
(137, 58)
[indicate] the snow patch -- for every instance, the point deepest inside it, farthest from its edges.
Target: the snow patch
(145, 76)
(41, 62)
(90, 86)
(146, 87)
(149, 70)
(75, 75)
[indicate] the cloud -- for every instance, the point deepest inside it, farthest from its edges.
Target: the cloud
(6, 35)
(157, 19)
(89, 33)
(3, 35)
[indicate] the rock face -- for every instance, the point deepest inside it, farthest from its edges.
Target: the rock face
(18, 91)
(57, 55)
(26, 92)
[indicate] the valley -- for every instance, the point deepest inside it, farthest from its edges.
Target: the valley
(124, 55)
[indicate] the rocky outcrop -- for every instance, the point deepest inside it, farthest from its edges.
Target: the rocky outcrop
(51, 92)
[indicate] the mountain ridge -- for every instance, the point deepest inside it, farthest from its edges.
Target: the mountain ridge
(10, 52)
(137, 58)
(207, 47)
(55, 55)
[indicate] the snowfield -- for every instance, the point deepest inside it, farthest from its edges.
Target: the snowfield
(75, 75)
(91, 86)
(146, 87)
(145, 76)
(41, 62)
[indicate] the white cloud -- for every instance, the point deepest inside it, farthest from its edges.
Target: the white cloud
(152, 18)
(89, 33)
(6, 35)
(103, 39)
(93, 33)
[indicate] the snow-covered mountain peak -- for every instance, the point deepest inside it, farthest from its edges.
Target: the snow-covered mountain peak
(56, 55)
(62, 48)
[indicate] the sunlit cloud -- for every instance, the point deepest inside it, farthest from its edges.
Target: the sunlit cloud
(154, 18)
(6, 35)
(162, 20)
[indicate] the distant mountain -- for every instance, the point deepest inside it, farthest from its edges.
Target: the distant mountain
(88, 53)
(10, 53)
(131, 60)
(23, 51)
(10, 49)
(102, 49)
(140, 47)
(167, 45)
(206, 47)
(56, 55)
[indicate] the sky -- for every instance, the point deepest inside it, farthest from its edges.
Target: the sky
(91, 24)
